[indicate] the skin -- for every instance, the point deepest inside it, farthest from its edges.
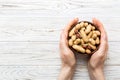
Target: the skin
(96, 61)
(67, 56)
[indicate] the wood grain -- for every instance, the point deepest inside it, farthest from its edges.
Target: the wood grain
(30, 30)
(45, 53)
(39, 72)
(44, 28)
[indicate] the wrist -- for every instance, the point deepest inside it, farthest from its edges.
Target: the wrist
(68, 70)
(68, 66)
(66, 73)
(96, 74)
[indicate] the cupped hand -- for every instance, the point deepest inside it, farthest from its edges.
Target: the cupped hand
(98, 58)
(96, 62)
(67, 56)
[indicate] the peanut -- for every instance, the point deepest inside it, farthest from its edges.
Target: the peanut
(93, 28)
(78, 26)
(97, 32)
(92, 41)
(94, 36)
(82, 24)
(78, 35)
(71, 32)
(88, 51)
(88, 29)
(89, 35)
(76, 31)
(73, 37)
(85, 45)
(88, 47)
(70, 42)
(77, 41)
(92, 46)
(82, 42)
(97, 40)
(85, 24)
(79, 48)
(83, 34)
(83, 29)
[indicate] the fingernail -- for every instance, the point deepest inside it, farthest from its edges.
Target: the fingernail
(76, 18)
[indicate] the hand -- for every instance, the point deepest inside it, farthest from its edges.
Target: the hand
(67, 56)
(96, 62)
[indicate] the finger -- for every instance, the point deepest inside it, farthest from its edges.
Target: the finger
(99, 25)
(63, 39)
(70, 24)
(103, 40)
(107, 47)
(101, 28)
(103, 46)
(64, 33)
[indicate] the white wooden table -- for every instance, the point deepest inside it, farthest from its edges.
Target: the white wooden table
(30, 30)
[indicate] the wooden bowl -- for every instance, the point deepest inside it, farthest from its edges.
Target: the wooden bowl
(97, 46)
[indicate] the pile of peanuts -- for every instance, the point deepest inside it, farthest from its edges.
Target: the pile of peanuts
(84, 37)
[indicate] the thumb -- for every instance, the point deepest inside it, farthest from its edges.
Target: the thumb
(63, 40)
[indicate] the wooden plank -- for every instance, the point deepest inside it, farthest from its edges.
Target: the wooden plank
(45, 53)
(39, 72)
(26, 1)
(60, 8)
(102, 2)
(46, 28)
(60, 12)
(59, 5)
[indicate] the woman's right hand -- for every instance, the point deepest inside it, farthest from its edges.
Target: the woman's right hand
(96, 62)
